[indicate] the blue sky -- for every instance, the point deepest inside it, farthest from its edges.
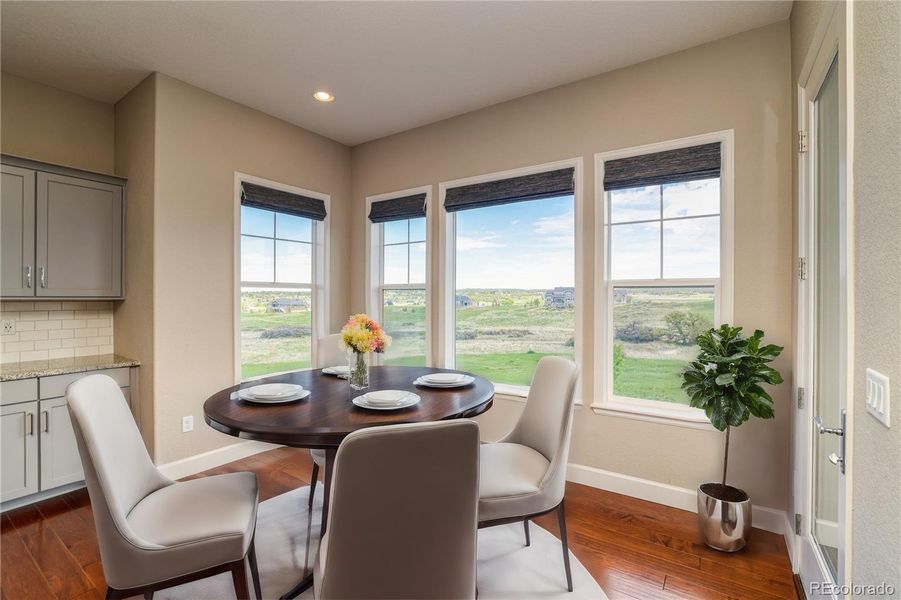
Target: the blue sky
(524, 245)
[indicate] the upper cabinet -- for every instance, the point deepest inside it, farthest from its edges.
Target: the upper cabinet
(62, 232)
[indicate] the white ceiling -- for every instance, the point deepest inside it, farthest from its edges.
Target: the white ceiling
(391, 65)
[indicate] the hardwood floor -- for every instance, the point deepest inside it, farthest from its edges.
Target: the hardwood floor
(634, 549)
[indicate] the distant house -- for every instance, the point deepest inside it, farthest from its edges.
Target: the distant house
(560, 297)
(463, 301)
(284, 305)
(620, 295)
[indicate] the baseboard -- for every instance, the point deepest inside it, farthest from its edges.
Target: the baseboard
(214, 458)
(790, 541)
(769, 519)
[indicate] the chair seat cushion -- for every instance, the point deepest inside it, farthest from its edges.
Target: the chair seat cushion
(509, 470)
(318, 457)
(220, 510)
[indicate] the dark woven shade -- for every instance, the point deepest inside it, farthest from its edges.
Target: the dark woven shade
(670, 166)
(398, 209)
(550, 184)
(259, 196)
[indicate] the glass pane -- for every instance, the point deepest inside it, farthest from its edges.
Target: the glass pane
(417, 263)
(635, 204)
(828, 399)
(293, 262)
(403, 316)
(654, 330)
(691, 248)
(395, 232)
(395, 270)
(289, 227)
(255, 221)
(257, 262)
(701, 197)
(275, 331)
(635, 251)
(417, 230)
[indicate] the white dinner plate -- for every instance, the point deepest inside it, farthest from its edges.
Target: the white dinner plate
(386, 397)
(467, 379)
(444, 378)
(243, 395)
(406, 402)
(273, 391)
(340, 370)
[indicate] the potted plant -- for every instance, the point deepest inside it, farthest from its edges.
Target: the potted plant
(725, 381)
(362, 335)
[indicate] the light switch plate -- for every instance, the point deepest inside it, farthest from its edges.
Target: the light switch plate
(187, 424)
(878, 399)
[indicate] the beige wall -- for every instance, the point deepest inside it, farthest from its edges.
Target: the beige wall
(201, 140)
(44, 123)
(876, 470)
(739, 83)
(134, 316)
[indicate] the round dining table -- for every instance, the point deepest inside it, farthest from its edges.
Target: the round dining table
(328, 415)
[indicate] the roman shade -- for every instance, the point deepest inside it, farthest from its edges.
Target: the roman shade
(258, 196)
(398, 209)
(669, 166)
(537, 186)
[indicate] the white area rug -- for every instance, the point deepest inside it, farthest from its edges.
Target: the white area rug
(507, 569)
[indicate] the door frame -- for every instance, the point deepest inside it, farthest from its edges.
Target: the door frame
(830, 42)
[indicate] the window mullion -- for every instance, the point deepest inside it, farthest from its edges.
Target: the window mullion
(661, 232)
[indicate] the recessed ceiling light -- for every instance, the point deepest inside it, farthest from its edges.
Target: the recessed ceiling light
(323, 96)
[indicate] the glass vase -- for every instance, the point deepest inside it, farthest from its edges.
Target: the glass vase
(359, 369)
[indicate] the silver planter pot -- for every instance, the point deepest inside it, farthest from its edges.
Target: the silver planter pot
(724, 516)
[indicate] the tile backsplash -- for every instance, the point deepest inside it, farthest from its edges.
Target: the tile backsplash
(48, 329)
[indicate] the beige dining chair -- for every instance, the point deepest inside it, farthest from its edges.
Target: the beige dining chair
(523, 475)
(155, 533)
(404, 509)
(331, 353)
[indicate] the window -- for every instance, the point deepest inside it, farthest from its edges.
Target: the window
(399, 264)
(513, 298)
(278, 270)
(665, 283)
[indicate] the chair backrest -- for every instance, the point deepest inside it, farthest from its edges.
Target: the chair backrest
(330, 352)
(546, 422)
(118, 470)
(404, 512)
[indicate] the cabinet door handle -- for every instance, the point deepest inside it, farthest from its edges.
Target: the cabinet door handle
(28, 276)
(31, 423)
(43, 275)
(45, 418)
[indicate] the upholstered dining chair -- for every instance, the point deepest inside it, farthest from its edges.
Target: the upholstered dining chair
(415, 536)
(331, 353)
(523, 475)
(155, 533)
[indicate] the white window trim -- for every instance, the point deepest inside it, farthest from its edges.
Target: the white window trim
(374, 263)
(447, 267)
(319, 286)
(635, 408)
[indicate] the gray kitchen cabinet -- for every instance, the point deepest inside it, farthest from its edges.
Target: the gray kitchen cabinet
(18, 450)
(79, 237)
(60, 461)
(17, 204)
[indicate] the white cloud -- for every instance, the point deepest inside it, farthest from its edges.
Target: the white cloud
(555, 225)
(478, 243)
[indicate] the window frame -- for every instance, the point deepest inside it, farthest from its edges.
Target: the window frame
(375, 262)
(318, 286)
(605, 401)
(447, 229)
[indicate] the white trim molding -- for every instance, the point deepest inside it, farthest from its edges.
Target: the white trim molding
(213, 458)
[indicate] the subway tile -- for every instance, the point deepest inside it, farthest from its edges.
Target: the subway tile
(34, 355)
(73, 342)
(72, 305)
(35, 315)
(9, 315)
(105, 349)
(61, 353)
(89, 332)
(105, 331)
(33, 335)
(85, 314)
(86, 351)
(9, 357)
(17, 305)
(46, 305)
(47, 344)
(44, 325)
(12, 337)
(17, 346)
(61, 314)
(25, 325)
(98, 341)
(61, 334)
(74, 323)
(100, 323)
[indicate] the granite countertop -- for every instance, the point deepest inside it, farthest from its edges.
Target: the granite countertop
(63, 366)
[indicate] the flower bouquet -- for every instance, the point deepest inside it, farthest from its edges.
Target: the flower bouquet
(361, 336)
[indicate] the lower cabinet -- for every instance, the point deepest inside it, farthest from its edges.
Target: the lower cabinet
(60, 461)
(19, 451)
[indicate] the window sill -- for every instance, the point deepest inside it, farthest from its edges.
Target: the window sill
(518, 393)
(677, 415)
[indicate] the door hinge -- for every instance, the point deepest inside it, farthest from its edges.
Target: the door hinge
(797, 524)
(802, 268)
(801, 395)
(802, 141)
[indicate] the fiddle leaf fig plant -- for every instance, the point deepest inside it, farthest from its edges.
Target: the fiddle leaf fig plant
(725, 379)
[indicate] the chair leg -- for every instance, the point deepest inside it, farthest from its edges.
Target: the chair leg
(148, 595)
(254, 571)
(313, 480)
(525, 526)
(239, 578)
(561, 519)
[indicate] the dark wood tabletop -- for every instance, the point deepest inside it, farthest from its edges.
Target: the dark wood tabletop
(327, 415)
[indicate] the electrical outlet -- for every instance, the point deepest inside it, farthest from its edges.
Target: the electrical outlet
(187, 424)
(8, 327)
(878, 398)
